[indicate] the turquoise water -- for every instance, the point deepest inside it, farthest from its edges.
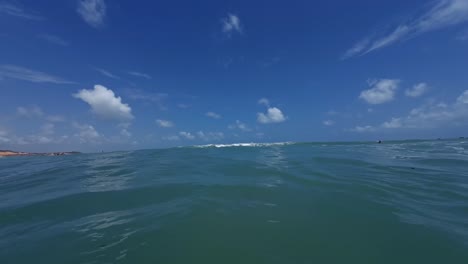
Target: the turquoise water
(398, 202)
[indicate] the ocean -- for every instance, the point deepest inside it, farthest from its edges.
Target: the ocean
(395, 202)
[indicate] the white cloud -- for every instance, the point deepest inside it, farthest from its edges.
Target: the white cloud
(20, 73)
(93, 12)
(186, 135)
(44, 136)
(463, 98)
(139, 74)
(105, 104)
(394, 123)
(231, 23)
(329, 122)
(54, 39)
(210, 136)
(213, 115)
(124, 132)
(434, 115)
(356, 49)
(241, 126)
(4, 136)
(264, 101)
(36, 112)
(87, 133)
(381, 91)
(361, 129)
(164, 123)
(29, 112)
(417, 90)
(17, 11)
(273, 115)
(429, 116)
(444, 13)
(38, 139)
(107, 73)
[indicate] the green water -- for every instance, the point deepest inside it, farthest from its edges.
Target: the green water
(400, 202)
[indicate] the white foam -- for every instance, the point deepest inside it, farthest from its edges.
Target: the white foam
(244, 145)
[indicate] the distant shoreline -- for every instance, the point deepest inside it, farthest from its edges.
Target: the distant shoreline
(10, 153)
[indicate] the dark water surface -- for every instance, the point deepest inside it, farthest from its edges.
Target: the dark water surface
(399, 202)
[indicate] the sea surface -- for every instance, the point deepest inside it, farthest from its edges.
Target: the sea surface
(396, 202)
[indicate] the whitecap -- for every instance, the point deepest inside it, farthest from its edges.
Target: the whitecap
(252, 144)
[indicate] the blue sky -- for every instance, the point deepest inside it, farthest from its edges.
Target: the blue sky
(95, 75)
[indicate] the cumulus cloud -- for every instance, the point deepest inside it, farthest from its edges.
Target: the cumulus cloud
(24, 74)
(45, 135)
(393, 123)
(139, 74)
(433, 114)
(29, 112)
(381, 91)
(213, 115)
(17, 11)
(463, 98)
(37, 112)
(329, 122)
(124, 132)
(442, 14)
(264, 101)
(273, 115)
(86, 133)
(92, 12)
(105, 104)
(4, 136)
(241, 126)
(231, 24)
(107, 73)
(428, 116)
(53, 39)
(186, 135)
(164, 123)
(417, 90)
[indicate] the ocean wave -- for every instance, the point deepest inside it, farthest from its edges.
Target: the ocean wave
(110, 207)
(252, 144)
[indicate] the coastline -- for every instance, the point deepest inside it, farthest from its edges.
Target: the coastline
(10, 153)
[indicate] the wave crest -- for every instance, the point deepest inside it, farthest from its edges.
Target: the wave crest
(252, 144)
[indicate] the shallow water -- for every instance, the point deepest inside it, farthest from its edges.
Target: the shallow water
(397, 202)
